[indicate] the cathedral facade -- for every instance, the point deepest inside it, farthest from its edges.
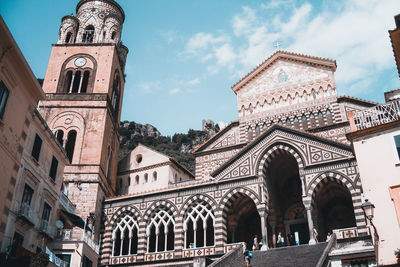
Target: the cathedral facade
(283, 168)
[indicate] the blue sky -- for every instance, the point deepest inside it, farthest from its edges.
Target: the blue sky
(185, 55)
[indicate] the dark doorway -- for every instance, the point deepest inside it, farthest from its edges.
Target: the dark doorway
(287, 212)
(334, 207)
(243, 221)
(302, 230)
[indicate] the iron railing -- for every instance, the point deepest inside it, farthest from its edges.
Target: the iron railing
(25, 211)
(47, 229)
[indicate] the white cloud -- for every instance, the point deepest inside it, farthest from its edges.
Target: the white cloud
(352, 32)
(171, 36)
(272, 4)
(225, 55)
(201, 41)
(174, 91)
(149, 87)
(195, 81)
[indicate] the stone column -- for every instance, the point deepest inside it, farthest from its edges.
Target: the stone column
(310, 225)
(264, 230)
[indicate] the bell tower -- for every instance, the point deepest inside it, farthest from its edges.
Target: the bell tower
(84, 86)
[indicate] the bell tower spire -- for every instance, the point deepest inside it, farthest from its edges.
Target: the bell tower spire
(84, 86)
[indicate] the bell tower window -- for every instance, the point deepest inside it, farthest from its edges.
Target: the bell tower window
(88, 34)
(68, 38)
(70, 146)
(77, 82)
(113, 34)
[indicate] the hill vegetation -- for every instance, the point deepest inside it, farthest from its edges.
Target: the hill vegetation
(179, 146)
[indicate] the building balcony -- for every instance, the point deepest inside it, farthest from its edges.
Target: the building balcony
(78, 235)
(47, 229)
(375, 116)
(25, 212)
(67, 204)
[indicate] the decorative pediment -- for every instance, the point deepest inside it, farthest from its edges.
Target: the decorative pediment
(308, 149)
(228, 136)
(281, 74)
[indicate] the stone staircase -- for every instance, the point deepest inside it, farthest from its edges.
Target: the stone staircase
(293, 256)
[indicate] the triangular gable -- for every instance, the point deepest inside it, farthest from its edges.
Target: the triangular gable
(279, 55)
(149, 157)
(312, 149)
(225, 137)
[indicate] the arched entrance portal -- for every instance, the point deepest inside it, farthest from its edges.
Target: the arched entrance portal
(243, 220)
(287, 214)
(334, 208)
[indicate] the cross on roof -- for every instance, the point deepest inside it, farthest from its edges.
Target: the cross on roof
(277, 45)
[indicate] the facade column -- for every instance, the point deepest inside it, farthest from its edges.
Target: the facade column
(72, 83)
(80, 84)
(310, 225)
(264, 230)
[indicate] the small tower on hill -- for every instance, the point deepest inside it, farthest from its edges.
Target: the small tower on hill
(84, 87)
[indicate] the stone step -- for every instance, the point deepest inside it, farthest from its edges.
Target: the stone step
(293, 256)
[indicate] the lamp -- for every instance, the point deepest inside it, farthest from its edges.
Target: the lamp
(368, 209)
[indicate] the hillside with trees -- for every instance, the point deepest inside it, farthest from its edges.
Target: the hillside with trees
(179, 146)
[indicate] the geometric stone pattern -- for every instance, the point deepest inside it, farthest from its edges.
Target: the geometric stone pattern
(319, 161)
(309, 152)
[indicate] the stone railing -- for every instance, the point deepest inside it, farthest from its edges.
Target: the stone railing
(346, 232)
(77, 235)
(377, 115)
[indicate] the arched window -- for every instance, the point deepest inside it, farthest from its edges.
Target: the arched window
(198, 225)
(77, 82)
(59, 134)
(68, 38)
(68, 81)
(115, 92)
(320, 118)
(88, 34)
(70, 145)
(154, 176)
(113, 35)
(329, 116)
(312, 120)
(125, 237)
(304, 121)
(146, 177)
(85, 81)
(296, 122)
(160, 231)
(137, 179)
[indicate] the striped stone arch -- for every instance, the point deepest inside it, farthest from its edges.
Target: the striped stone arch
(121, 211)
(357, 182)
(193, 199)
(272, 151)
(341, 179)
(226, 201)
(324, 178)
(165, 203)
